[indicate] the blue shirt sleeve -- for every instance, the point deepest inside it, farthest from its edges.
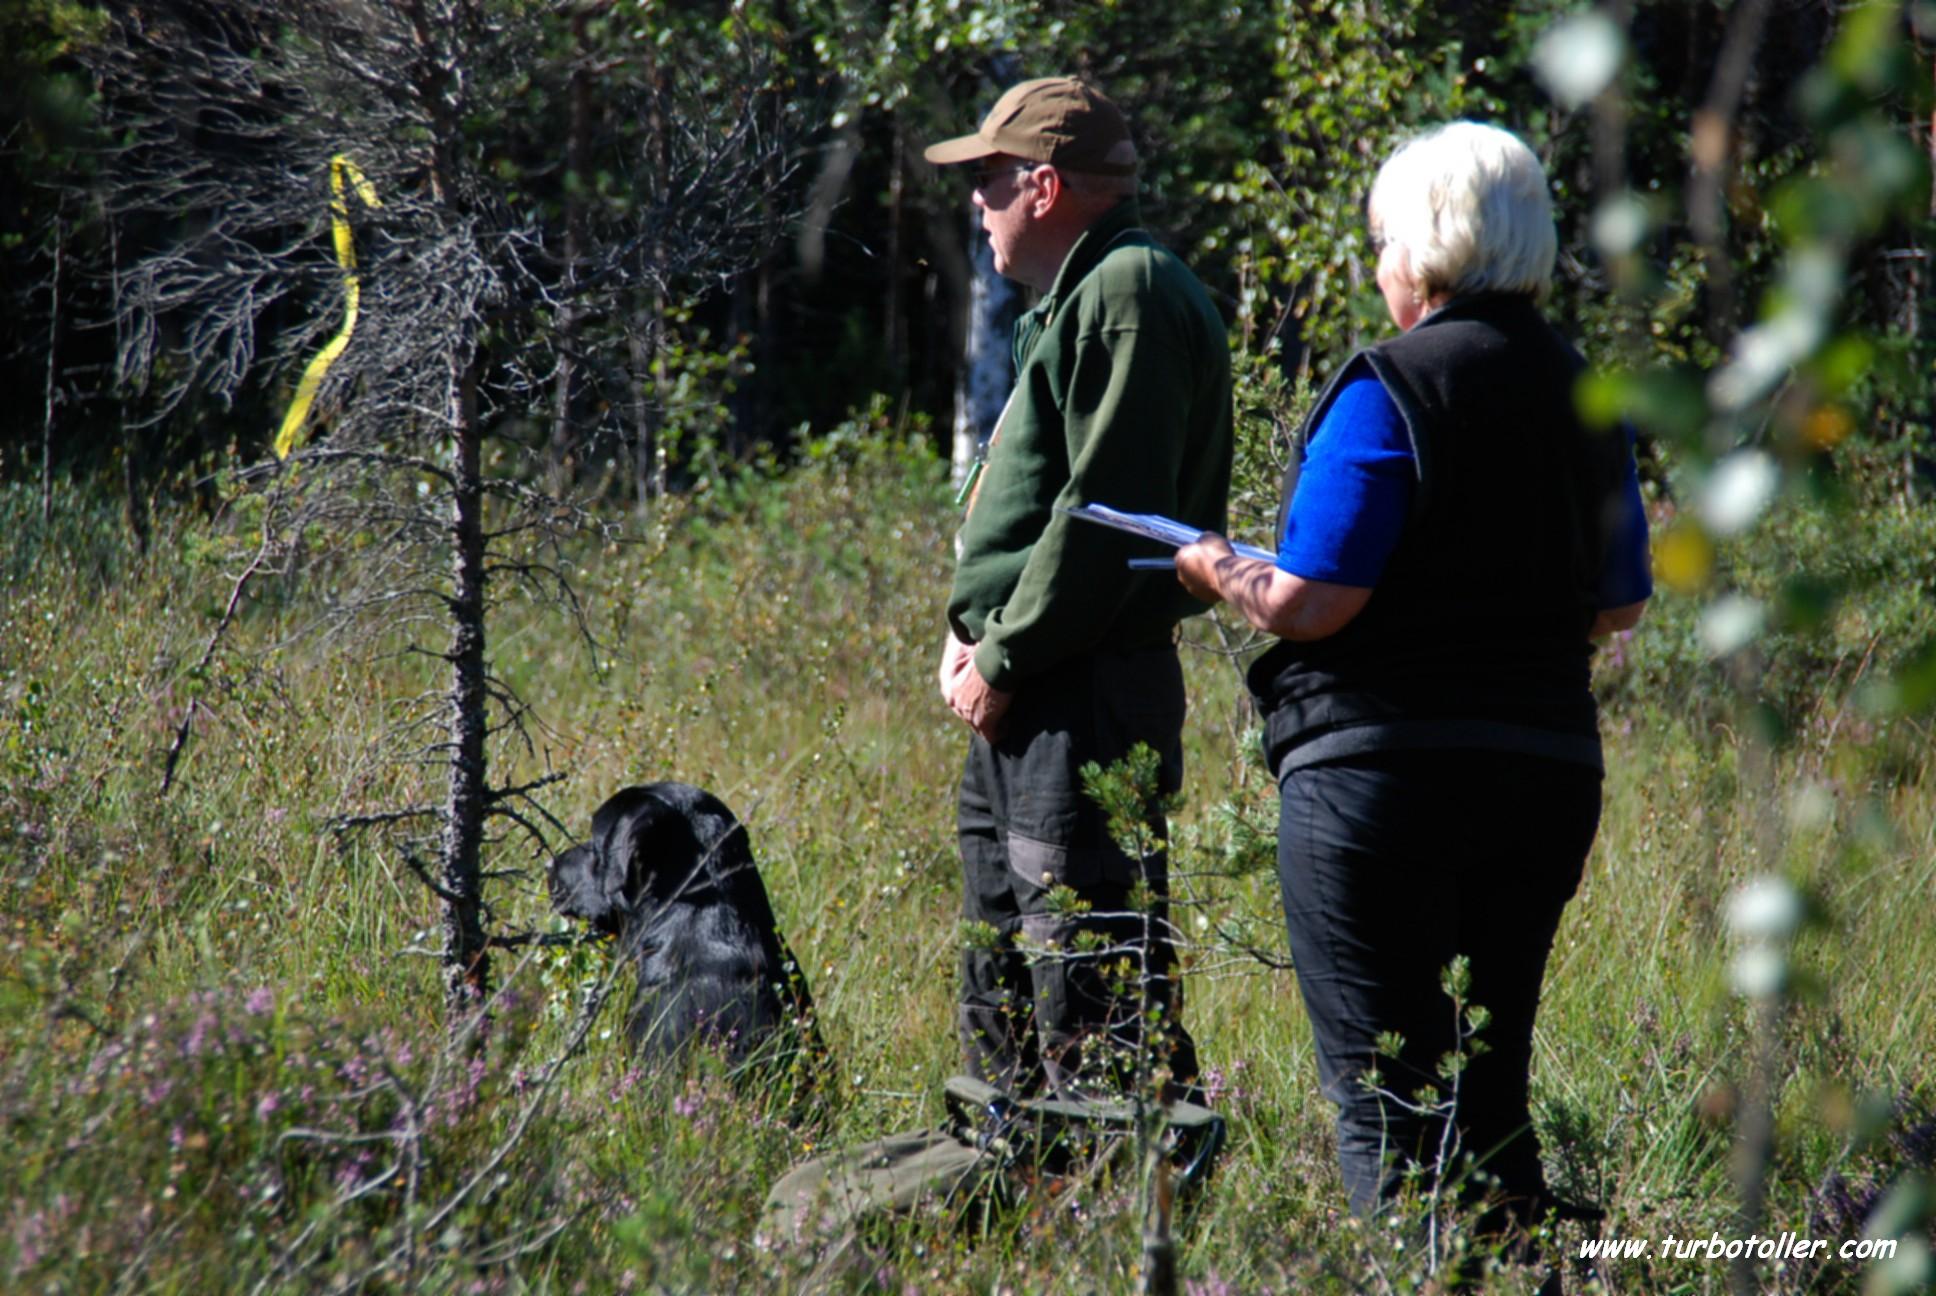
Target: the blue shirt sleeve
(1356, 486)
(1627, 575)
(1353, 491)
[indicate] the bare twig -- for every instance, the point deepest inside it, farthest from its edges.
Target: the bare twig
(182, 730)
(548, 940)
(522, 789)
(348, 823)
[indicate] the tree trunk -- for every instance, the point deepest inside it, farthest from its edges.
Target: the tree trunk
(649, 381)
(649, 370)
(465, 957)
(460, 884)
(131, 499)
(895, 328)
(1713, 149)
(1159, 1200)
(752, 326)
(563, 447)
(134, 503)
(53, 345)
(987, 367)
(987, 363)
(658, 453)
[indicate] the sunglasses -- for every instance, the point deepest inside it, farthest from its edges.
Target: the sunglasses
(986, 177)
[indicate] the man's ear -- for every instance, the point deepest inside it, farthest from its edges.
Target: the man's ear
(1046, 190)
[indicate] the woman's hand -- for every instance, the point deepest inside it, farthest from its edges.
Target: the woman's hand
(1196, 566)
(1270, 598)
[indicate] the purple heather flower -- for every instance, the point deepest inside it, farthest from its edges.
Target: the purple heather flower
(198, 1035)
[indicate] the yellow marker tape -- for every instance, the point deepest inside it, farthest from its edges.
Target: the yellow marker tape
(343, 174)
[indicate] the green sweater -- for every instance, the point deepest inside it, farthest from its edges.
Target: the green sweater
(1122, 397)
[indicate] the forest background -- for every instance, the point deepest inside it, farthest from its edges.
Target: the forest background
(638, 465)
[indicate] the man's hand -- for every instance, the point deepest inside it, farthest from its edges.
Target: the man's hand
(980, 703)
(956, 657)
(967, 694)
(1196, 566)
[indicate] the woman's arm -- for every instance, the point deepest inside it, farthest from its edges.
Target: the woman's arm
(1269, 597)
(1626, 576)
(1346, 517)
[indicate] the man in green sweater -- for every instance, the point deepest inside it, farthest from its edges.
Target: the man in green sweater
(1058, 653)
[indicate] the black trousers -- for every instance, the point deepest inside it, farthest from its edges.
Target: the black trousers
(1391, 864)
(1062, 994)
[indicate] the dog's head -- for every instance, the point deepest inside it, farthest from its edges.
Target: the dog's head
(650, 845)
(582, 887)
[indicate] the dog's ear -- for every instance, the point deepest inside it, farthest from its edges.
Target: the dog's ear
(588, 881)
(664, 841)
(622, 832)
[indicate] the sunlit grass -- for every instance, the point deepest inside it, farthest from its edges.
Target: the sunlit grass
(776, 644)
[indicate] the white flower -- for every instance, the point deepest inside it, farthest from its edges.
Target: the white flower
(1730, 624)
(1737, 491)
(1576, 58)
(1759, 972)
(1910, 1269)
(1764, 909)
(1811, 287)
(1620, 223)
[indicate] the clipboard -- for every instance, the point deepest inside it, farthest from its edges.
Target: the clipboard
(1154, 526)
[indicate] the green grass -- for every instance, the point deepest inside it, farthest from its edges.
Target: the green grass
(213, 1031)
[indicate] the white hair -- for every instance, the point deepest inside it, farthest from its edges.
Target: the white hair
(1468, 204)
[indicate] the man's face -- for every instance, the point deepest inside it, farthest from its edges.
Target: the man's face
(1002, 187)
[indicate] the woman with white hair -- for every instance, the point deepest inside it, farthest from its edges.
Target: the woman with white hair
(1452, 539)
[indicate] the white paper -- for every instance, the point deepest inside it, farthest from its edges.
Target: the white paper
(1154, 526)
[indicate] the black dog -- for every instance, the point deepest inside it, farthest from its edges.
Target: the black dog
(670, 873)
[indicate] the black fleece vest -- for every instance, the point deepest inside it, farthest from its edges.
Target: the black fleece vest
(1476, 634)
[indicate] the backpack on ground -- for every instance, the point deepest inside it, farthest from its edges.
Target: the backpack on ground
(992, 1151)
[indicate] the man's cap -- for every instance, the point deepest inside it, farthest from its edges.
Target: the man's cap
(1059, 120)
